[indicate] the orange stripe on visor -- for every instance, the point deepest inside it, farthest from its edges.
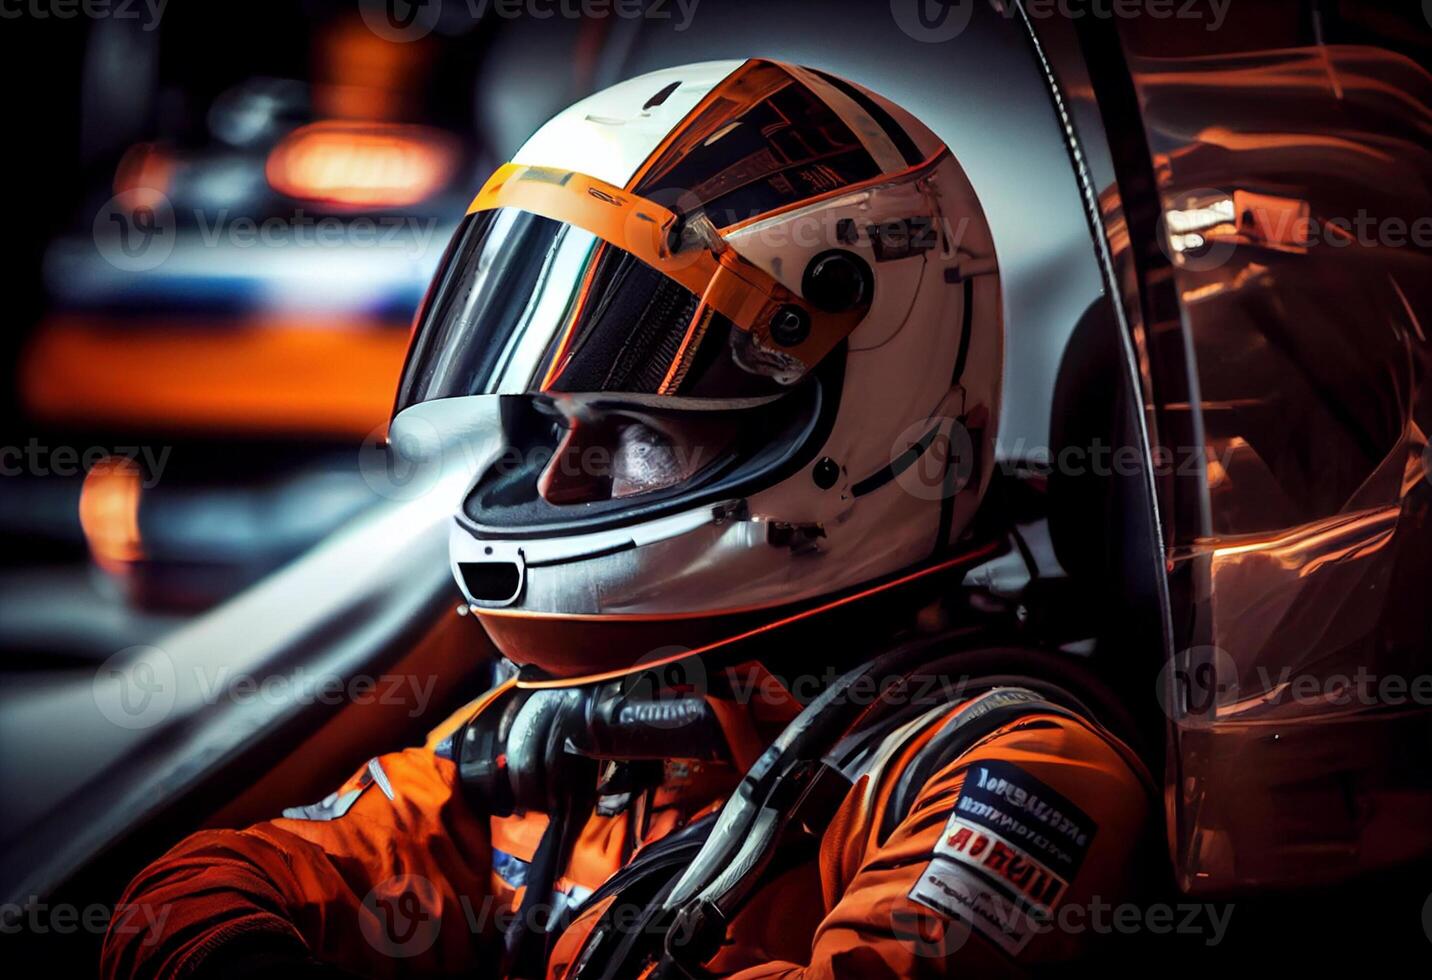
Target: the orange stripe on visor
(787, 336)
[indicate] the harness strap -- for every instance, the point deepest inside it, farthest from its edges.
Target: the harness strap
(808, 791)
(964, 730)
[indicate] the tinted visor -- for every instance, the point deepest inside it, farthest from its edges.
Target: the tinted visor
(528, 304)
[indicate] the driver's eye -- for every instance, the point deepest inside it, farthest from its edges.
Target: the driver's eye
(644, 461)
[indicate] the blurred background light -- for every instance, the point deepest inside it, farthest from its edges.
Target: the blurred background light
(109, 513)
(369, 166)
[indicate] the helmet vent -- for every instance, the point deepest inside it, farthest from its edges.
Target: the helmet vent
(660, 97)
(491, 583)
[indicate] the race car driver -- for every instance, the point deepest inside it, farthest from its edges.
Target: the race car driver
(737, 328)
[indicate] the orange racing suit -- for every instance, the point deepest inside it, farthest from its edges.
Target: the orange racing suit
(987, 863)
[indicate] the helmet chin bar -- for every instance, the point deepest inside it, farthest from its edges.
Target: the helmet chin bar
(493, 573)
(601, 648)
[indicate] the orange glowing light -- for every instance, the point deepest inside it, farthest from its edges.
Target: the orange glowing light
(362, 165)
(145, 169)
(1312, 545)
(359, 75)
(109, 512)
(304, 375)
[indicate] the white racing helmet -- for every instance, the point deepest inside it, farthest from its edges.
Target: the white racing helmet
(741, 325)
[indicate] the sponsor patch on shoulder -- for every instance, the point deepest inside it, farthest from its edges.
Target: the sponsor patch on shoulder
(1007, 854)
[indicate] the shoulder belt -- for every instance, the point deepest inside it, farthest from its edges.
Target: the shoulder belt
(796, 785)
